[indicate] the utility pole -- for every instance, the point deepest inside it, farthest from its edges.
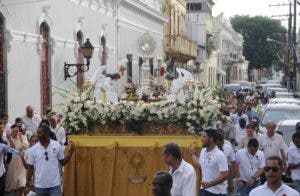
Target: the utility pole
(287, 60)
(295, 48)
(289, 49)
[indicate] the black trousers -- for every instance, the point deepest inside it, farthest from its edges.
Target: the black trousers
(206, 193)
(2, 185)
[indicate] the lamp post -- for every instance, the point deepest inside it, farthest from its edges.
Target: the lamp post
(87, 50)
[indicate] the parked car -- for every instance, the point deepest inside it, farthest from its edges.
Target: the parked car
(264, 87)
(244, 83)
(276, 90)
(287, 127)
(279, 112)
(284, 100)
(284, 95)
(274, 81)
(233, 88)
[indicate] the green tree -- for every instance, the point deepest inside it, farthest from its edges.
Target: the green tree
(258, 50)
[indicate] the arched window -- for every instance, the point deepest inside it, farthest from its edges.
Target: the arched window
(45, 68)
(3, 102)
(80, 59)
(103, 55)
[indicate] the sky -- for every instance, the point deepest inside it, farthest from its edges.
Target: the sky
(251, 7)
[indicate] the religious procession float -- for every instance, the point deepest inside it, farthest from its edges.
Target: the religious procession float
(119, 140)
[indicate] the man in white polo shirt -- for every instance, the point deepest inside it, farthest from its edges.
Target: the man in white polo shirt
(213, 165)
(294, 160)
(272, 144)
(43, 160)
(226, 147)
(251, 163)
(274, 185)
(183, 173)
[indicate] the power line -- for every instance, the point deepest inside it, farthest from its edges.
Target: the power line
(279, 4)
(22, 3)
(282, 15)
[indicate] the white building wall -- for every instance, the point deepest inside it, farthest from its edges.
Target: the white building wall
(65, 18)
(134, 22)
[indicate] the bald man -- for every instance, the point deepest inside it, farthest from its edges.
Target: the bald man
(31, 120)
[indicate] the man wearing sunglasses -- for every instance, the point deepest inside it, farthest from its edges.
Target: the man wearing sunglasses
(274, 185)
(43, 160)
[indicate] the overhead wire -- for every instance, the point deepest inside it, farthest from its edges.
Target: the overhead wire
(20, 3)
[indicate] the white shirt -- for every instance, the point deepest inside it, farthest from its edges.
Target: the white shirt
(229, 152)
(249, 98)
(5, 149)
(6, 131)
(46, 173)
(271, 146)
(240, 133)
(212, 163)
(184, 180)
(291, 145)
(236, 118)
(294, 158)
(249, 164)
(60, 134)
(264, 190)
(31, 124)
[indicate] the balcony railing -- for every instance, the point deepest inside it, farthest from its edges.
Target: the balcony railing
(180, 45)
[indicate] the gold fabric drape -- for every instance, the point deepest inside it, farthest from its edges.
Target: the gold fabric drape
(118, 166)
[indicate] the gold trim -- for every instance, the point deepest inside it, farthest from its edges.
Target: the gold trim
(133, 140)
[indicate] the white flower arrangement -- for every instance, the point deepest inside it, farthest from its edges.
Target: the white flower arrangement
(200, 110)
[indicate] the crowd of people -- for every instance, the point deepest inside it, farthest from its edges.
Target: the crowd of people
(236, 158)
(32, 154)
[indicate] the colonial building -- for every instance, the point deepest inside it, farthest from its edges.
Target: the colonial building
(179, 47)
(200, 29)
(38, 37)
(229, 46)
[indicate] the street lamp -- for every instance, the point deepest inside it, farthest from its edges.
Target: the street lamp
(87, 50)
